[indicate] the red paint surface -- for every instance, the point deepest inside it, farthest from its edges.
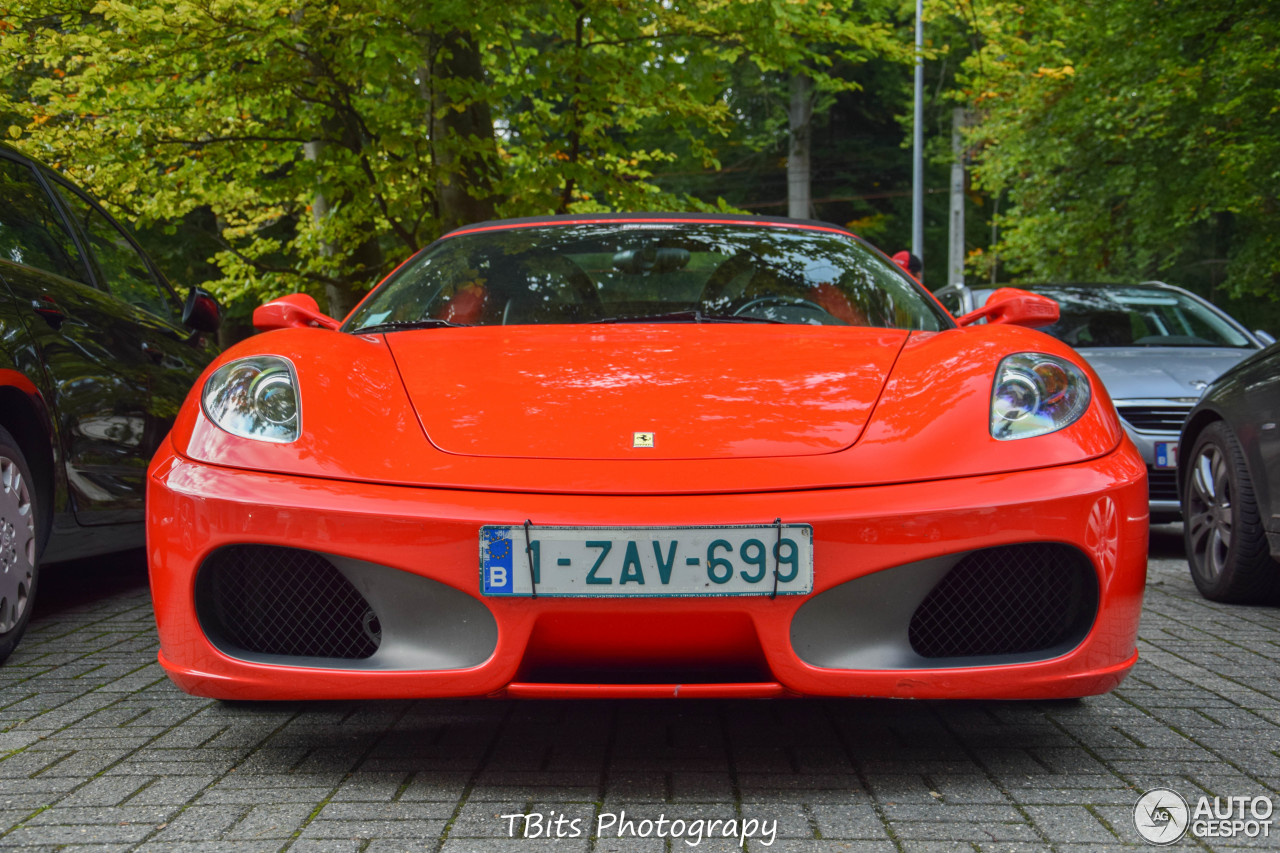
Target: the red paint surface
(195, 508)
(929, 420)
(580, 392)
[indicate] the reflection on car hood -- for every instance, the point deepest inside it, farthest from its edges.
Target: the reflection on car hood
(702, 391)
(1160, 372)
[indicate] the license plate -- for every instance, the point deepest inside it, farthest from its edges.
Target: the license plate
(610, 562)
(1166, 454)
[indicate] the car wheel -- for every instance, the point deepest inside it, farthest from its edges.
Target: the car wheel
(1226, 544)
(17, 543)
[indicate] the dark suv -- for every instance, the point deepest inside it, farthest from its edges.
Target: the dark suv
(96, 354)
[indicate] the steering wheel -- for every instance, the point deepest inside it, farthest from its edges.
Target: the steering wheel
(577, 280)
(713, 290)
(759, 306)
(566, 273)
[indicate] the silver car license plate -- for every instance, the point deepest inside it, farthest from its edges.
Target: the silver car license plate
(611, 562)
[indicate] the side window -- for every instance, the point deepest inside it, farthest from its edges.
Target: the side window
(32, 232)
(124, 272)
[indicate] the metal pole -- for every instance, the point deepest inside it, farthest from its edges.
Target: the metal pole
(955, 249)
(917, 147)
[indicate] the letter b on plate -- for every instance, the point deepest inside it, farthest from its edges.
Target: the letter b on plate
(495, 560)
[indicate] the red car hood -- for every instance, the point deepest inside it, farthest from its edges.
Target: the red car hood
(703, 391)
(931, 419)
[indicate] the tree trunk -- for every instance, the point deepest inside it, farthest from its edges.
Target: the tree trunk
(319, 212)
(343, 294)
(799, 171)
(464, 151)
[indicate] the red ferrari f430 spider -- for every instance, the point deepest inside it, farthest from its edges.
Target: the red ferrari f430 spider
(648, 455)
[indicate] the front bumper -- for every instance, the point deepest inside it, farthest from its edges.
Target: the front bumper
(414, 553)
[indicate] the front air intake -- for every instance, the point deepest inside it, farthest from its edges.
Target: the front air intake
(1015, 599)
(269, 600)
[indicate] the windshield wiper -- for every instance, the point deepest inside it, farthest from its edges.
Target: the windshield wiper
(694, 316)
(402, 325)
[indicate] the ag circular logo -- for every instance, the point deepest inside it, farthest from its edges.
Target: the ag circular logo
(1161, 816)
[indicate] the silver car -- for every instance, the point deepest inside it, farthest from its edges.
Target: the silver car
(1156, 347)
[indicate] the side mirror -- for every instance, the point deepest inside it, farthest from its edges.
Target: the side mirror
(1266, 337)
(295, 311)
(1015, 307)
(201, 312)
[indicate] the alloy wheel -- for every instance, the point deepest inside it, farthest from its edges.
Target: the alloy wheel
(17, 544)
(1209, 517)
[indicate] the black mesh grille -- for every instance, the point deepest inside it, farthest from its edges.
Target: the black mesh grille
(1155, 418)
(1014, 599)
(283, 601)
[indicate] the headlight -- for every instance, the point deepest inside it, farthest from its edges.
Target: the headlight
(1036, 394)
(255, 397)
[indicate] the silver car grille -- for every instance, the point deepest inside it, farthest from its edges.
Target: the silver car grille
(1163, 418)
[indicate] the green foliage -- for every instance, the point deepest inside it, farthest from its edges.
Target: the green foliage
(317, 144)
(1134, 138)
(860, 169)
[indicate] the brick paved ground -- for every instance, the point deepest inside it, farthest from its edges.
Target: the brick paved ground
(98, 750)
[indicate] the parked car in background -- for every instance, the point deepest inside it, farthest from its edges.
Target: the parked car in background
(1229, 479)
(96, 354)
(1156, 347)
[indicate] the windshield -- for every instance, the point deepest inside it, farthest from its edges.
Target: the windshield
(579, 272)
(1138, 317)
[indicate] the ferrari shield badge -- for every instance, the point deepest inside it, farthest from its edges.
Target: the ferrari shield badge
(642, 439)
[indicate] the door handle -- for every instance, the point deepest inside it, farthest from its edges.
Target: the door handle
(48, 308)
(153, 352)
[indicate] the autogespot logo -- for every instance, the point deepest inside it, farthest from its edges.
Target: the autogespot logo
(1161, 816)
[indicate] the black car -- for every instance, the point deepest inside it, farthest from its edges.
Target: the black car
(1229, 480)
(96, 355)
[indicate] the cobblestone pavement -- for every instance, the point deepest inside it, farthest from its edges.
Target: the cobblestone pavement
(98, 750)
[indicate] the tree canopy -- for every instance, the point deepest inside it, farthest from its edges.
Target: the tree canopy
(1133, 138)
(317, 144)
(268, 147)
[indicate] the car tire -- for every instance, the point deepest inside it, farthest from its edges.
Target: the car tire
(1225, 542)
(18, 543)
